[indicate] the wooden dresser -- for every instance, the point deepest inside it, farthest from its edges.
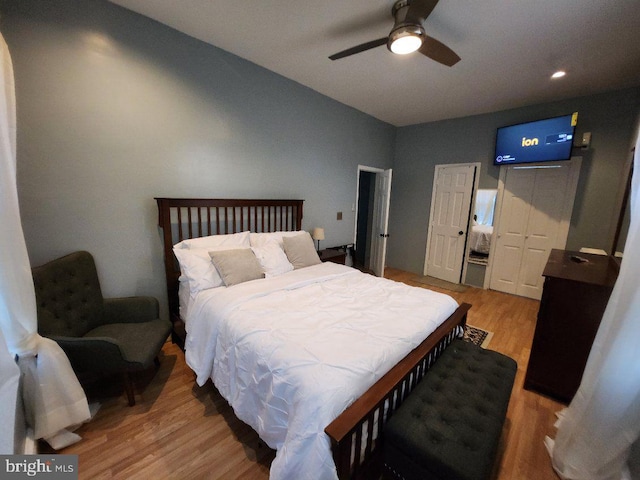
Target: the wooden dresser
(574, 297)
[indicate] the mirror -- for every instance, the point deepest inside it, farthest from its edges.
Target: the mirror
(482, 225)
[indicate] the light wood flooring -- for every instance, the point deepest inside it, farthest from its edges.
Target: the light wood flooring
(178, 430)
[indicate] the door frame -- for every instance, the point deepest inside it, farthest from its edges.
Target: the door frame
(476, 181)
(575, 164)
(378, 171)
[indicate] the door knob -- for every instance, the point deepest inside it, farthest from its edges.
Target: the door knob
(460, 232)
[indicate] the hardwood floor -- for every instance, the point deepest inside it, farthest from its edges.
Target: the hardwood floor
(178, 430)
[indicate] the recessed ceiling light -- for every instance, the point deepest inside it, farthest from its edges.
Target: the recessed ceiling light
(559, 74)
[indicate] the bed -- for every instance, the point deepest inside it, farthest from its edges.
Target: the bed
(320, 405)
(480, 238)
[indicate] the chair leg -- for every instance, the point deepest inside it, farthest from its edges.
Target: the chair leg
(128, 387)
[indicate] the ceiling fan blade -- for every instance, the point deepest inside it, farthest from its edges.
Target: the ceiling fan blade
(359, 48)
(438, 51)
(419, 10)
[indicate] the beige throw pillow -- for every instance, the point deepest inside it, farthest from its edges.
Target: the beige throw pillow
(300, 250)
(236, 266)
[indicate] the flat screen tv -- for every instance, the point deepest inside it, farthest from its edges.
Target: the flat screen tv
(545, 140)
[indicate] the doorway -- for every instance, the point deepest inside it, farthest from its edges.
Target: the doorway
(373, 194)
(364, 218)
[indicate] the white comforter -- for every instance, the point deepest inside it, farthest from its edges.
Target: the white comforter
(290, 353)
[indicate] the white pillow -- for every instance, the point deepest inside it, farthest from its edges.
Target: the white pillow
(231, 240)
(272, 258)
(261, 239)
(197, 268)
(300, 251)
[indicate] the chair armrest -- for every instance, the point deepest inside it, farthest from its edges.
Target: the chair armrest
(131, 309)
(93, 354)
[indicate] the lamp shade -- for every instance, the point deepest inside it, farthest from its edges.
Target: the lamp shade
(318, 234)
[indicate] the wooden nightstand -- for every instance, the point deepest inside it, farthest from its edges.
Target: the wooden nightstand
(333, 255)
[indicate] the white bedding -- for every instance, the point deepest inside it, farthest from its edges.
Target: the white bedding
(480, 238)
(290, 353)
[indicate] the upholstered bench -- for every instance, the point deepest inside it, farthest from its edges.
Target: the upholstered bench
(450, 425)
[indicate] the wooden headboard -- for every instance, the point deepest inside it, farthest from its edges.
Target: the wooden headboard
(183, 218)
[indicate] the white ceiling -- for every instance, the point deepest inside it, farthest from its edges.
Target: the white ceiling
(509, 49)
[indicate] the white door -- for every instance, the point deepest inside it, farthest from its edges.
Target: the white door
(512, 229)
(380, 222)
(543, 229)
(534, 218)
(449, 221)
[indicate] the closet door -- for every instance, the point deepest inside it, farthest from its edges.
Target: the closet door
(543, 229)
(535, 211)
(512, 230)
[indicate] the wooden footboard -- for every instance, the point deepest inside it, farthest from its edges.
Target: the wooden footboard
(357, 434)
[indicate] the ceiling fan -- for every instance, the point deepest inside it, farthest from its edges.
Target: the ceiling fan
(408, 35)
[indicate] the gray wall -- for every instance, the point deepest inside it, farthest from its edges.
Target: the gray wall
(609, 117)
(115, 109)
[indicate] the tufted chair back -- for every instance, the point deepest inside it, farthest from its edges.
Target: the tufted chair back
(68, 296)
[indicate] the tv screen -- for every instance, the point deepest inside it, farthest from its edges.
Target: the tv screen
(540, 141)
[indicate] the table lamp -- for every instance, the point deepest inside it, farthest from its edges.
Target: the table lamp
(317, 235)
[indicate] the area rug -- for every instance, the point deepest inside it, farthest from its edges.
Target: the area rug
(477, 335)
(436, 282)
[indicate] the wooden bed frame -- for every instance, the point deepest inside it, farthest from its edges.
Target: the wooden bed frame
(356, 434)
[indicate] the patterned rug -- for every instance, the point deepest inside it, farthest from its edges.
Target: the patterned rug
(477, 335)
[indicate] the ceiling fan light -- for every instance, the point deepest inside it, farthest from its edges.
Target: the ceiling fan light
(405, 40)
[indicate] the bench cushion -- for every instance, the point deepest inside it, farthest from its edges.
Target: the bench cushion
(450, 425)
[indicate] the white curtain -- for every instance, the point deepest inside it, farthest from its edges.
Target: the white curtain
(53, 398)
(9, 376)
(596, 431)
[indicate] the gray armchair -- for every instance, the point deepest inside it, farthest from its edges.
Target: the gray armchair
(98, 335)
